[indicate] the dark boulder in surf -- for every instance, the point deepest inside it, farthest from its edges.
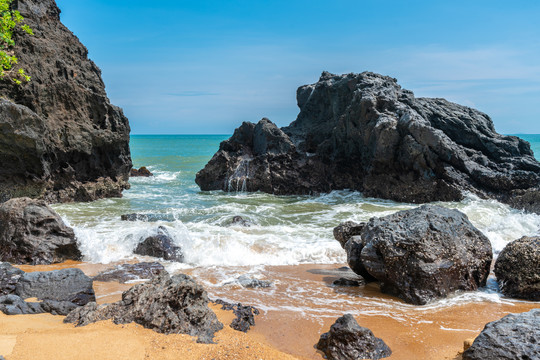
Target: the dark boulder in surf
(165, 304)
(33, 233)
(160, 246)
(364, 132)
(131, 272)
(515, 336)
(347, 340)
(61, 140)
(421, 254)
(142, 172)
(518, 269)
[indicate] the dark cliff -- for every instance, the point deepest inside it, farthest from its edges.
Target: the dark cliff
(364, 132)
(60, 137)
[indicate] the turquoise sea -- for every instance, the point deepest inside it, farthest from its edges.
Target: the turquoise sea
(286, 230)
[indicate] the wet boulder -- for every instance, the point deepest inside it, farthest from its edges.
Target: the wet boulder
(344, 231)
(421, 254)
(347, 340)
(33, 233)
(147, 217)
(518, 269)
(160, 246)
(515, 336)
(143, 171)
(131, 272)
(166, 304)
(240, 221)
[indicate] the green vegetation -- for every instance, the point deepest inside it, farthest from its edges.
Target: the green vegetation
(9, 20)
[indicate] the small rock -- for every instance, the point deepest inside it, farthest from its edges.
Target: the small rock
(247, 282)
(348, 282)
(238, 220)
(33, 233)
(147, 217)
(515, 336)
(347, 340)
(245, 315)
(160, 246)
(9, 277)
(131, 272)
(518, 269)
(143, 171)
(165, 304)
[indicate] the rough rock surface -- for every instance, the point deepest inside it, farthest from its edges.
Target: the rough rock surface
(131, 272)
(143, 171)
(344, 231)
(165, 304)
(61, 139)
(59, 291)
(515, 336)
(250, 283)
(421, 254)
(33, 233)
(364, 132)
(160, 246)
(518, 269)
(347, 340)
(245, 315)
(238, 220)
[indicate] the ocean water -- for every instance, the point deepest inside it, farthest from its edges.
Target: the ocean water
(285, 230)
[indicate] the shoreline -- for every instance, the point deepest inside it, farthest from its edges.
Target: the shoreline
(285, 325)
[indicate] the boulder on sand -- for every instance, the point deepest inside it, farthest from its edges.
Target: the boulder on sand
(364, 132)
(515, 336)
(347, 340)
(166, 304)
(33, 233)
(421, 254)
(518, 269)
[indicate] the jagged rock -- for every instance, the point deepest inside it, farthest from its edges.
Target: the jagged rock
(518, 269)
(160, 246)
(60, 291)
(515, 336)
(147, 217)
(364, 132)
(245, 315)
(238, 220)
(421, 254)
(347, 340)
(344, 231)
(166, 304)
(131, 272)
(61, 139)
(9, 277)
(33, 233)
(143, 171)
(348, 282)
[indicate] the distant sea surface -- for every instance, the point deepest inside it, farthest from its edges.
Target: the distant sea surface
(285, 230)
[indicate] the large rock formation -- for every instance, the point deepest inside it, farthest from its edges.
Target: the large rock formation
(33, 233)
(61, 139)
(421, 254)
(518, 269)
(166, 304)
(364, 132)
(347, 340)
(515, 336)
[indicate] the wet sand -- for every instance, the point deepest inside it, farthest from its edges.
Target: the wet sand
(300, 306)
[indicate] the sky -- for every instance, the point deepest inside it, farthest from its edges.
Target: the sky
(204, 67)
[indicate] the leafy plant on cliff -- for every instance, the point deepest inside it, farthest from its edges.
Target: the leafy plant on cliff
(9, 20)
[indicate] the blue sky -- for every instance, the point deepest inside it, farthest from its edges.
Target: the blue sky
(203, 67)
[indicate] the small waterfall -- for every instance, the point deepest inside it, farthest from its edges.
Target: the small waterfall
(237, 182)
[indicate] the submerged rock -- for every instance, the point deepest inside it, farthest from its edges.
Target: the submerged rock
(160, 246)
(364, 132)
(347, 340)
(238, 220)
(515, 336)
(131, 272)
(58, 291)
(143, 171)
(147, 217)
(245, 315)
(247, 282)
(166, 304)
(61, 139)
(33, 233)
(518, 269)
(421, 254)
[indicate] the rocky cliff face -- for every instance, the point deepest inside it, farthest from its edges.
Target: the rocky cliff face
(364, 132)
(60, 138)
